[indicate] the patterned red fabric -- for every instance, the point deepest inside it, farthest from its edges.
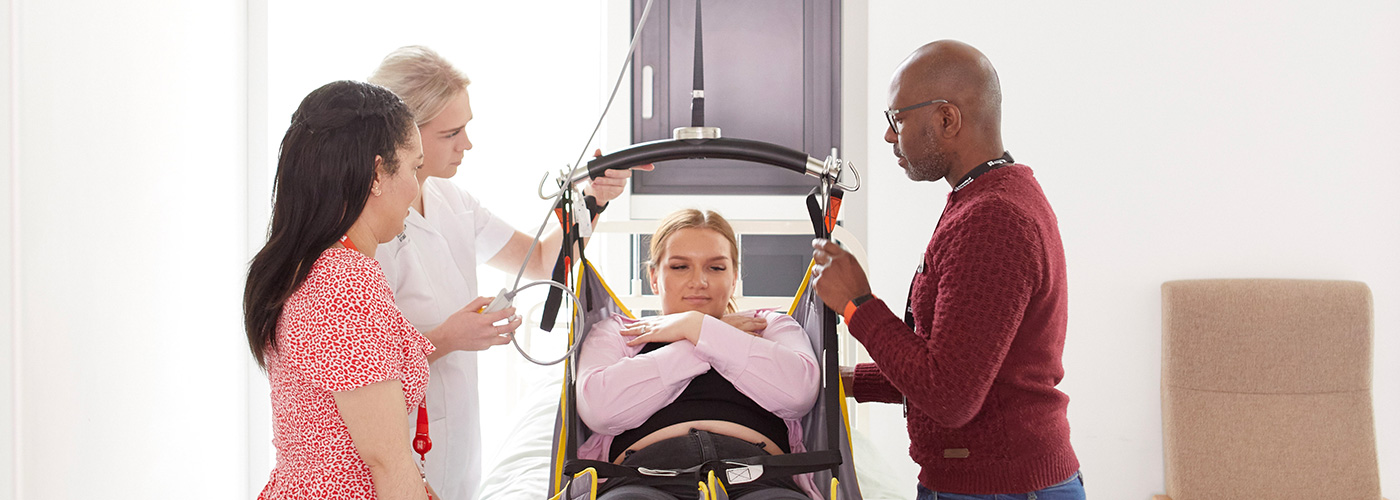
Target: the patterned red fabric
(338, 332)
(990, 307)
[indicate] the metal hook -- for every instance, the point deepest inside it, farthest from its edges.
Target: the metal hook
(848, 188)
(540, 189)
(568, 177)
(834, 167)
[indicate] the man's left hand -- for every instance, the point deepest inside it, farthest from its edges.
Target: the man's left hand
(837, 276)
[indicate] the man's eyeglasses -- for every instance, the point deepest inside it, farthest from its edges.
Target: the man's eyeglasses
(894, 124)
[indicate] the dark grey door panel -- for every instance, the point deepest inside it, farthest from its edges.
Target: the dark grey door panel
(772, 73)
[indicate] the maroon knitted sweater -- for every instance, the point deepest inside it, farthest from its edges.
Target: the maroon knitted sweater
(980, 368)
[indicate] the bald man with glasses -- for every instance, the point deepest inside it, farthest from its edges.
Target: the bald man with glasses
(976, 356)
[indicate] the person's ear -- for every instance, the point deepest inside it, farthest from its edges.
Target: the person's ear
(378, 176)
(651, 277)
(950, 120)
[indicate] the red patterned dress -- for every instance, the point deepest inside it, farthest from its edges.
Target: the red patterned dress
(338, 332)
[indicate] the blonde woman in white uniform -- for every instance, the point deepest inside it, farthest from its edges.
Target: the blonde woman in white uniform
(432, 265)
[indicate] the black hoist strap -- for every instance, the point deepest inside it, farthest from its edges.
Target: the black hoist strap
(824, 223)
(785, 465)
(563, 210)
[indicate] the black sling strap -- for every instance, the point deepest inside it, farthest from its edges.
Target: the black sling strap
(771, 465)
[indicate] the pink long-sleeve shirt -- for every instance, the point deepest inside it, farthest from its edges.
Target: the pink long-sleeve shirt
(619, 389)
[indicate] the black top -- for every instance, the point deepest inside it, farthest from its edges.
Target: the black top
(709, 396)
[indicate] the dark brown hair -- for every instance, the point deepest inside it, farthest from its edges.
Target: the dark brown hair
(324, 173)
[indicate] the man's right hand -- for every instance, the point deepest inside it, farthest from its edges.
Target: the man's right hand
(836, 275)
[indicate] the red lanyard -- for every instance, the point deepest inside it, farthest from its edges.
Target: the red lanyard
(422, 444)
(345, 240)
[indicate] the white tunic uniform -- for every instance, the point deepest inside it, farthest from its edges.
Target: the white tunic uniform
(432, 270)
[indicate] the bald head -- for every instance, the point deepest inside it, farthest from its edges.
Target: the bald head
(956, 71)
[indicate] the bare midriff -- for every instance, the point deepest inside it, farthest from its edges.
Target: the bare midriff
(721, 427)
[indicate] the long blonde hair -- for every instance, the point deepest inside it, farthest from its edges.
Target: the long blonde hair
(422, 78)
(690, 218)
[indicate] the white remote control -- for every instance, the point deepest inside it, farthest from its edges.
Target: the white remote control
(498, 303)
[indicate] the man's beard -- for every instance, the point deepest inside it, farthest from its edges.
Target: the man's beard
(934, 166)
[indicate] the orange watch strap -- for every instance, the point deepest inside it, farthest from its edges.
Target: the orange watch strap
(854, 304)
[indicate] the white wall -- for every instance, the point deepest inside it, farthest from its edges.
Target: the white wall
(128, 247)
(1175, 140)
(8, 318)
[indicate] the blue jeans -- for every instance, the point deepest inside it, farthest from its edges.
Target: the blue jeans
(1069, 489)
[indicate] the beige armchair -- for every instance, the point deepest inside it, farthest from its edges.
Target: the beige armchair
(1266, 390)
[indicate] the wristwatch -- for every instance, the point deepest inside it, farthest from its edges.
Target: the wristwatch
(853, 305)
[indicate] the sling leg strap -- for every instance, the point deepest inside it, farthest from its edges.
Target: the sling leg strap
(757, 467)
